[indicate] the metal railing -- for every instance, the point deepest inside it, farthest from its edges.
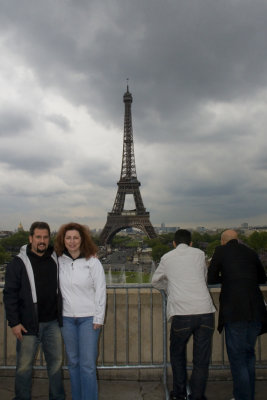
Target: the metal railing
(136, 330)
(134, 336)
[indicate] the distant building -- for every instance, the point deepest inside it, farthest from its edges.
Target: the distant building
(20, 228)
(172, 228)
(201, 229)
(166, 229)
(4, 234)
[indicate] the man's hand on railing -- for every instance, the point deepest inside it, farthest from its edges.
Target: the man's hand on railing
(17, 331)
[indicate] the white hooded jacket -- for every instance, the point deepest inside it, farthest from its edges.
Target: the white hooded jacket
(83, 288)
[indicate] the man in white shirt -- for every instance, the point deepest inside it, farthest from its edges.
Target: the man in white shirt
(182, 272)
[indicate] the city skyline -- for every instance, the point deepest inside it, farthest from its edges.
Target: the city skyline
(244, 226)
(197, 73)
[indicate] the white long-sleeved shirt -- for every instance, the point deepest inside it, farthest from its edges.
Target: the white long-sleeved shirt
(182, 272)
(83, 287)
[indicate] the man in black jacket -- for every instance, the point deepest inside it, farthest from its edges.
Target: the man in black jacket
(32, 308)
(242, 310)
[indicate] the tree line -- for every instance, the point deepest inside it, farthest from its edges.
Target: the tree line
(207, 242)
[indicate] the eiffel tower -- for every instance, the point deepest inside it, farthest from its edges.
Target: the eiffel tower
(119, 219)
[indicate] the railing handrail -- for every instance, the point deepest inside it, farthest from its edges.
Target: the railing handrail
(142, 285)
(127, 362)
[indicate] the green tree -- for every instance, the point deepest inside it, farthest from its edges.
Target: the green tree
(133, 243)
(151, 242)
(258, 241)
(125, 241)
(15, 241)
(167, 238)
(159, 250)
(96, 239)
(211, 247)
(197, 238)
(4, 256)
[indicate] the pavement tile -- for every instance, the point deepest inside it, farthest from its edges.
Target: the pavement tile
(129, 390)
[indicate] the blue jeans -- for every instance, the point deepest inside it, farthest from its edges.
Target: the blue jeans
(201, 326)
(240, 340)
(81, 342)
(50, 338)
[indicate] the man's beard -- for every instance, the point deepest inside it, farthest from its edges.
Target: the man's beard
(41, 251)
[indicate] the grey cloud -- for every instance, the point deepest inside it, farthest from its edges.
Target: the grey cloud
(14, 122)
(31, 163)
(180, 57)
(260, 162)
(59, 120)
(98, 173)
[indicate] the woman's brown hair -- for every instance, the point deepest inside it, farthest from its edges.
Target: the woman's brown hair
(88, 247)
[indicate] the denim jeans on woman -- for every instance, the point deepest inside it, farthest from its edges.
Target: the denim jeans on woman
(240, 340)
(81, 342)
(201, 326)
(50, 338)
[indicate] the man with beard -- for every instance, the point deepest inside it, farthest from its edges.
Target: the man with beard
(32, 308)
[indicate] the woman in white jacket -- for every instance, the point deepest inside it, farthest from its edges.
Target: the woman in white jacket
(83, 288)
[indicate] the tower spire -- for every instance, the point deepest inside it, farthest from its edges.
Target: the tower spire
(128, 169)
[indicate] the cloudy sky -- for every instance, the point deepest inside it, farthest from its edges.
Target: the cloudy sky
(197, 71)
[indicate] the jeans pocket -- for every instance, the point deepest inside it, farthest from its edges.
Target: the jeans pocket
(181, 327)
(208, 321)
(180, 331)
(206, 330)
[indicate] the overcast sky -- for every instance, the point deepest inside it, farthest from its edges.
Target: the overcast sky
(197, 71)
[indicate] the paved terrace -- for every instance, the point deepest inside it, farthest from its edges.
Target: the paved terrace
(130, 390)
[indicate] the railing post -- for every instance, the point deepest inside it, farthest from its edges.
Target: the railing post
(165, 365)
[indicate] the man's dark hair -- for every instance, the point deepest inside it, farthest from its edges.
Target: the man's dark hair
(182, 236)
(39, 225)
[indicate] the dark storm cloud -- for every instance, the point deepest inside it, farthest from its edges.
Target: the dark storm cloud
(177, 54)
